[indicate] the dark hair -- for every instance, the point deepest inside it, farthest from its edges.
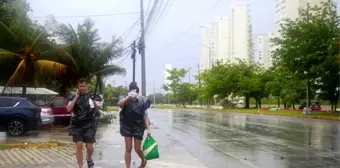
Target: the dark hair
(82, 80)
(133, 86)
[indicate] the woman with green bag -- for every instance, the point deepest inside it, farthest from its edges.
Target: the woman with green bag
(133, 121)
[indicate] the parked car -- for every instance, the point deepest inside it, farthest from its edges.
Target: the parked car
(55, 110)
(18, 115)
(313, 105)
(47, 117)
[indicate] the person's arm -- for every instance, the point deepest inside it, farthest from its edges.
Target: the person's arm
(71, 104)
(122, 102)
(147, 123)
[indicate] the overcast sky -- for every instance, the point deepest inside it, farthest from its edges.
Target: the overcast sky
(166, 43)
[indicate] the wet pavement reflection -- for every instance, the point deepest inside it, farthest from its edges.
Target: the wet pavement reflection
(241, 140)
(46, 134)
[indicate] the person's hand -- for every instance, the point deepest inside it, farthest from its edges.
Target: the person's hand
(148, 131)
(77, 93)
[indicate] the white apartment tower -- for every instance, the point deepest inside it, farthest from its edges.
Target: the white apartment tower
(228, 38)
(241, 32)
(261, 51)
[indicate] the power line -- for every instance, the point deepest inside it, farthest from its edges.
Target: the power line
(151, 15)
(130, 29)
(159, 17)
(194, 23)
(81, 16)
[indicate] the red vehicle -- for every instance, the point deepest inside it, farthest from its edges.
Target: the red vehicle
(55, 110)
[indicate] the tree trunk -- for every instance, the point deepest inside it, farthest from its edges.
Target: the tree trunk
(256, 103)
(260, 103)
(247, 102)
(284, 104)
(293, 106)
(278, 102)
(335, 105)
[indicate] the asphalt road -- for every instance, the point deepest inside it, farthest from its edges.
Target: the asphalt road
(241, 140)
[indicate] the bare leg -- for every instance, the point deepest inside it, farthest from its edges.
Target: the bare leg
(138, 149)
(89, 149)
(128, 149)
(79, 153)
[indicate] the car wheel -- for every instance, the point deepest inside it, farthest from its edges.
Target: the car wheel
(16, 127)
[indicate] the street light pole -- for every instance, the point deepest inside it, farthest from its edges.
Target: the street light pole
(307, 109)
(142, 47)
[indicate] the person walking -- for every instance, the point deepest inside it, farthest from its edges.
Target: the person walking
(134, 121)
(84, 122)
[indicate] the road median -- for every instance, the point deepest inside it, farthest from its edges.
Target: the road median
(286, 113)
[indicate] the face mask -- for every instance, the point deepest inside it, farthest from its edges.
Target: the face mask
(133, 93)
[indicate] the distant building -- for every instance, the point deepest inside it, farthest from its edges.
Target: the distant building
(241, 32)
(262, 51)
(228, 38)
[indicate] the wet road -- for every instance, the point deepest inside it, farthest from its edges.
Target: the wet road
(241, 140)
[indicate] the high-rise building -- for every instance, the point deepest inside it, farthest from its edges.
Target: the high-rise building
(168, 67)
(223, 39)
(241, 32)
(262, 51)
(228, 38)
(208, 46)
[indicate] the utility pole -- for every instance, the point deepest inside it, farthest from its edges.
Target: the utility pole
(307, 109)
(133, 57)
(142, 47)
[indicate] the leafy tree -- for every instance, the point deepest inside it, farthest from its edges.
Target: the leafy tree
(286, 86)
(236, 79)
(308, 47)
(183, 92)
(26, 45)
(92, 57)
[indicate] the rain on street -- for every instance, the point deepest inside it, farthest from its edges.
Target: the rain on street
(243, 140)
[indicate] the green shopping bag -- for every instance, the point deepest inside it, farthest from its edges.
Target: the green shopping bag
(150, 148)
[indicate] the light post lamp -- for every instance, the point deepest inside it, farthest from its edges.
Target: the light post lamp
(307, 110)
(210, 62)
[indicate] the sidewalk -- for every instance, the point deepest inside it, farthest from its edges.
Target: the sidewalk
(109, 152)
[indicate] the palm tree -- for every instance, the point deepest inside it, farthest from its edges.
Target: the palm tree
(27, 44)
(92, 57)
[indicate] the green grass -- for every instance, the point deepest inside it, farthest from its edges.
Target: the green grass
(288, 113)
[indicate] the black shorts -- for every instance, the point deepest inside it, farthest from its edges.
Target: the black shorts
(86, 136)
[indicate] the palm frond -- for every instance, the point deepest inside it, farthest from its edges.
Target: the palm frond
(75, 36)
(7, 29)
(111, 70)
(37, 38)
(47, 68)
(18, 74)
(7, 55)
(59, 55)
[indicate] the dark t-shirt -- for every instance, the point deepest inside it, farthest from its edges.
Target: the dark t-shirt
(83, 110)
